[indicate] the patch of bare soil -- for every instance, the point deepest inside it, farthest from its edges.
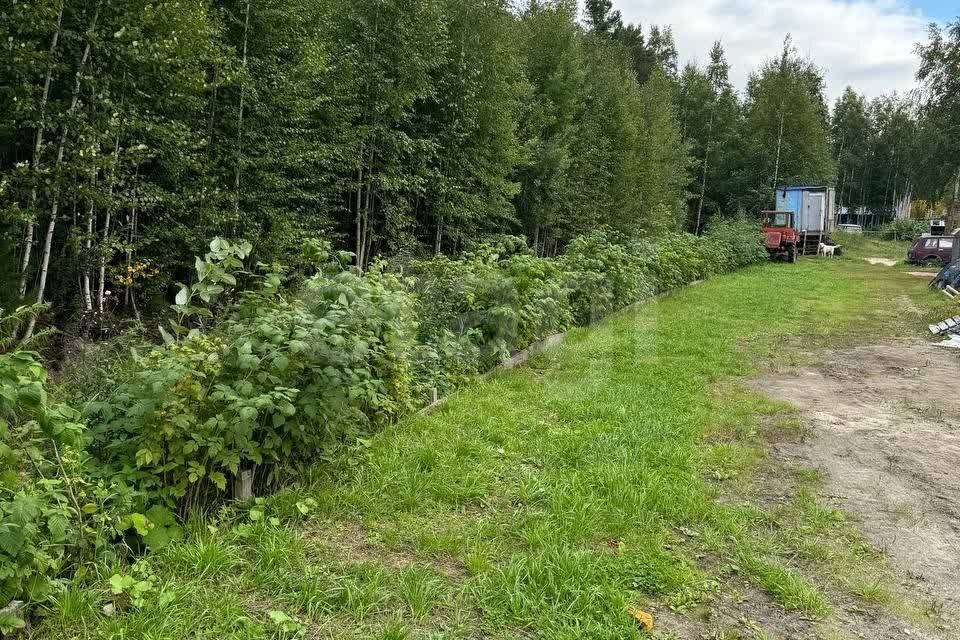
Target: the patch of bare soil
(739, 611)
(351, 544)
(885, 430)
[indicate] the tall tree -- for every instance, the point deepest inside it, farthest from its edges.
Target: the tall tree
(553, 60)
(470, 123)
(893, 154)
(710, 120)
(395, 49)
(664, 49)
(602, 18)
(275, 127)
(939, 76)
(852, 139)
(785, 129)
(663, 157)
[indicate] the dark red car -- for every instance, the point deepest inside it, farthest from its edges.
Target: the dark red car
(931, 250)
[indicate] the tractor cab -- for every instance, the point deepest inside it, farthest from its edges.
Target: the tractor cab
(778, 219)
(779, 227)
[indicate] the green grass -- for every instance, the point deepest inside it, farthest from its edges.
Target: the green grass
(787, 587)
(860, 245)
(543, 501)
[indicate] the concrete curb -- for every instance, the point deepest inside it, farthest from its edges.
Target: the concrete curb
(555, 340)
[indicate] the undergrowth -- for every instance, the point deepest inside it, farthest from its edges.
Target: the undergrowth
(542, 501)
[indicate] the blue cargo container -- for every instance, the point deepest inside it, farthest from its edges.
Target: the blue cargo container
(814, 208)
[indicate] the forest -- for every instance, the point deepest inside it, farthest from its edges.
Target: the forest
(134, 132)
(242, 235)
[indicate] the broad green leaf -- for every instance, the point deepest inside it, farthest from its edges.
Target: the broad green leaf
(120, 583)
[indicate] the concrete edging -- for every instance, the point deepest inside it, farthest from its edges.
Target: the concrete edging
(552, 341)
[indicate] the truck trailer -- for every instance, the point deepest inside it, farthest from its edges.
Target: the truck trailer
(814, 212)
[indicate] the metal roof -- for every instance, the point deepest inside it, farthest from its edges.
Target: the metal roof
(803, 187)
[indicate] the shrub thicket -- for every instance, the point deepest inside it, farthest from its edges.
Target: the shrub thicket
(54, 515)
(903, 229)
(256, 377)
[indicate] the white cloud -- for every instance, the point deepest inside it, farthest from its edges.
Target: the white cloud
(864, 43)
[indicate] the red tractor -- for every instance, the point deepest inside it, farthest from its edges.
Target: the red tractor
(782, 238)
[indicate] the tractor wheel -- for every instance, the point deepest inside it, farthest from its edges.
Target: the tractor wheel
(792, 254)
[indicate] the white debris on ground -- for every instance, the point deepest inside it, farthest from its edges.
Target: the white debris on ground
(887, 262)
(953, 342)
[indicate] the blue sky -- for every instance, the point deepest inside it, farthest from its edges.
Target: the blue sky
(937, 9)
(867, 44)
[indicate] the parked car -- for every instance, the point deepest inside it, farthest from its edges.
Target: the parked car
(850, 228)
(931, 250)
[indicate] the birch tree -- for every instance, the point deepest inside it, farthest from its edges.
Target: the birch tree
(58, 162)
(785, 129)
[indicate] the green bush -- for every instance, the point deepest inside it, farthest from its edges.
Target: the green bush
(680, 259)
(255, 376)
(728, 244)
(470, 298)
(53, 515)
(903, 229)
(543, 298)
(278, 383)
(39, 453)
(443, 364)
(498, 296)
(41, 450)
(604, 276)
(734, 243)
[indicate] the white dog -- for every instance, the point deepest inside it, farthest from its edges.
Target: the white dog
(827, 250)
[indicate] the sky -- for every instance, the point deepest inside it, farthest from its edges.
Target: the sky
(864, 43)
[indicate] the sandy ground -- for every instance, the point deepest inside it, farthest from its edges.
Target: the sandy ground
(886, 433)
(884, 428)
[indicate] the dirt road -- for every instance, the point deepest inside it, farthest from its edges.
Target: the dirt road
(886, 433)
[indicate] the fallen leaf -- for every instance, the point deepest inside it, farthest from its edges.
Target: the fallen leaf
(644, 619)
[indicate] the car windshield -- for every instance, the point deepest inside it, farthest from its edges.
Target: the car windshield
(780, 220)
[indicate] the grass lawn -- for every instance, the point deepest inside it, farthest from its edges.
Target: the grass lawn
(863, 247)
(613, 471)
(859, 246)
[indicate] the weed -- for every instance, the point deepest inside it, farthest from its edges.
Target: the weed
(787, 587)
(206, 556)
(420, 590)
(364, 591)
(69, 607)
(396, 631)
(873, 591)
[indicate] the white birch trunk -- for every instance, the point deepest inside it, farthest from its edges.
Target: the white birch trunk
(87, 293)
(956, 187)
(37, 147)
(101, 291)
(703, 178)
(106, 225)
(55, 204)
(243, 66)
(359, 217)
(776, 169)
